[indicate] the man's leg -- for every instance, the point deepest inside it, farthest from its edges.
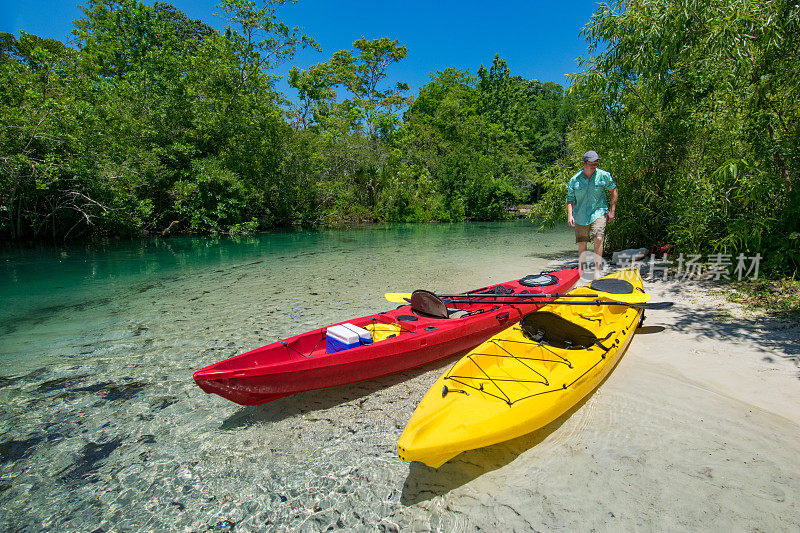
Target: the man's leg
(598, 230)
(598, 254)
(581, 256)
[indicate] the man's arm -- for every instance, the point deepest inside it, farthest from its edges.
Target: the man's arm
(570, 203)
(613, 202)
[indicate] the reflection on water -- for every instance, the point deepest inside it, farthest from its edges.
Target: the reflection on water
(102, 425)
(45, 284)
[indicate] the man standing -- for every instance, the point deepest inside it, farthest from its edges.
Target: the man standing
(587, 210)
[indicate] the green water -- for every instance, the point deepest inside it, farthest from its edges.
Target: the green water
(102, 425)
(61, 298)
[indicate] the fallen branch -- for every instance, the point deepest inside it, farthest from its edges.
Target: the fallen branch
(164, 233)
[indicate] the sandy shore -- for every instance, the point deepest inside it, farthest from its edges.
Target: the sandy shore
(697, 428)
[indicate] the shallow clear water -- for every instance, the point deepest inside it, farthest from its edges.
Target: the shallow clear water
(102, 425)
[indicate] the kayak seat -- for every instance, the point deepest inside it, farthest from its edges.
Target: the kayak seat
(429, 305)
(539, 280)
(549, 328)
(612, 286)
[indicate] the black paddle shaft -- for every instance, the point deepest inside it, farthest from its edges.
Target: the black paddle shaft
(518, 295)
(655, 305)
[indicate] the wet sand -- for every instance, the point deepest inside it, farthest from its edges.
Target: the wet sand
(697, 427)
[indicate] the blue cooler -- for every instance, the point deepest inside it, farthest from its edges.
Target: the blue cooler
(345, 336)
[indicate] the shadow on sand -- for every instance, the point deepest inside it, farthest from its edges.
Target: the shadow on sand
(424, 483)
(776, 335)
(322, 399)
(649, 330)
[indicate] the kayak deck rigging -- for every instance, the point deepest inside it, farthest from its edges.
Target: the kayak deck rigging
(530, 375)
(317, 351)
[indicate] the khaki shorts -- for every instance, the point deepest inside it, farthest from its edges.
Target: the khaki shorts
(592, 231)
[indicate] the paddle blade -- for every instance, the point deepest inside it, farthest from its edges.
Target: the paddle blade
(398, 297)
(658, 305)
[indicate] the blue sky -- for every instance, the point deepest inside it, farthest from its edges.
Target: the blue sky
(539, 40)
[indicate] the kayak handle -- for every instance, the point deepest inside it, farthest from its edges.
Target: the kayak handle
(445, 390)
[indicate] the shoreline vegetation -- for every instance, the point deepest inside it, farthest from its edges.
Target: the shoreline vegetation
(780, 297)
(152, 123)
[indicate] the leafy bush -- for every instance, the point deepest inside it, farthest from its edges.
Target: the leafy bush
(213, 199)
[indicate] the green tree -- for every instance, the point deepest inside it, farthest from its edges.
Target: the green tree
(485, 140)
(363, 75)
(316, 96)
(354, 125)
(157, 121)
(40, 191)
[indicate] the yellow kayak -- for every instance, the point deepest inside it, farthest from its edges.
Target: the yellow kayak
(525, 376)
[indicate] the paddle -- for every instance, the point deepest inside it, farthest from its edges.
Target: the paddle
(404, 297)
(642, 305)
(401, 297)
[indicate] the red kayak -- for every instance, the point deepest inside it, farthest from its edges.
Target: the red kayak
(426, 330)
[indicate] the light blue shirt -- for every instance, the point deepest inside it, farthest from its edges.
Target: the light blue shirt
(589, 195)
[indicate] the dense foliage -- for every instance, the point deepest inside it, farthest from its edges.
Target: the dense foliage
(153, 120)
(695, 108)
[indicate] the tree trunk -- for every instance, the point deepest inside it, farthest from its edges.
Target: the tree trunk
(11, 217)
(19, 218)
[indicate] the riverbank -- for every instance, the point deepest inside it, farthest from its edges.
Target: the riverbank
(102, 426)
